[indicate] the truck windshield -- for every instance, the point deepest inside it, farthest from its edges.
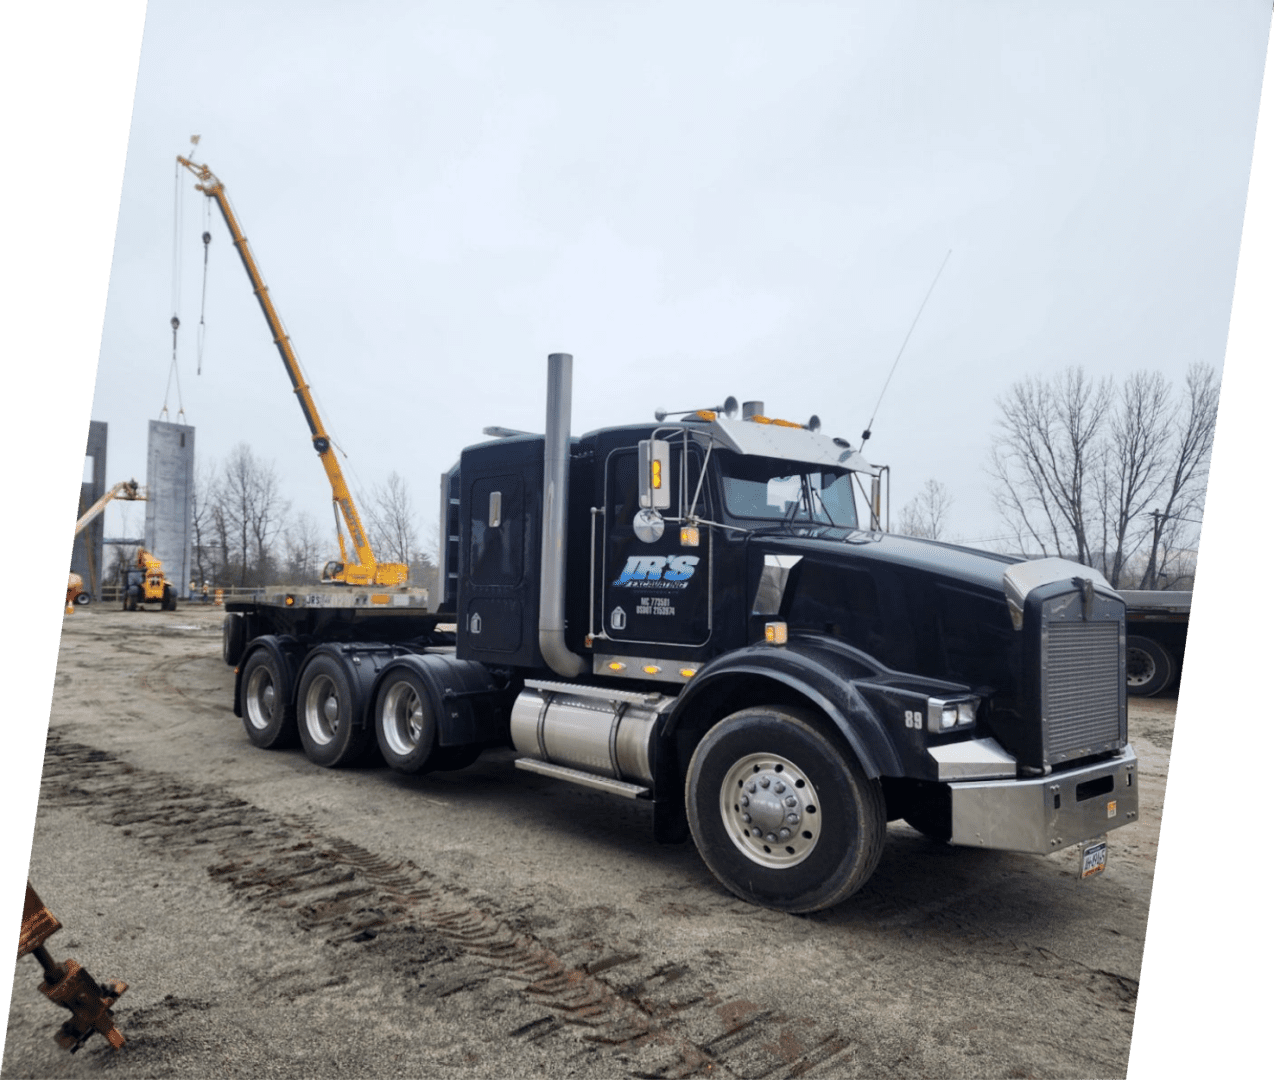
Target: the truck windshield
(772, 489)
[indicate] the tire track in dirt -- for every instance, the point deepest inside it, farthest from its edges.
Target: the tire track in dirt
(648, 1017)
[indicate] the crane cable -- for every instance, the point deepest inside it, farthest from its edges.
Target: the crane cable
(203, 297)
(175, 322)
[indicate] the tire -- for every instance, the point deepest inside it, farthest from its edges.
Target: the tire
(325, 714)
(1150, 667)
(233, 638)
(130, 598)
(269, 717)
(837, 839)
(82, 598)
(405, 723)
(169, 601)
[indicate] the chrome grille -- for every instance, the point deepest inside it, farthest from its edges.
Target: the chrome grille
(1082, 689)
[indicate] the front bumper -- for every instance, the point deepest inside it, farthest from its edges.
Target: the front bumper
(1046, 813)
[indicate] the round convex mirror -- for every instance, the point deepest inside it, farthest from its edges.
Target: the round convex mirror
(648, 525)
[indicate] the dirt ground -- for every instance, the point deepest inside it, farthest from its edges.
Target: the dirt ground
(272, 918)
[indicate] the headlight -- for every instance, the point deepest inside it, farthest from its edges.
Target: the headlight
(947, 714)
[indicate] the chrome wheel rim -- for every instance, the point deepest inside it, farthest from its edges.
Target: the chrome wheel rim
(260, 698)
(322, 710)
(402, 718)
(770, 810)
(1141, 669)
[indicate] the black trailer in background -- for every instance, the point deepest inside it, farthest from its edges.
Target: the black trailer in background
(1157, 624)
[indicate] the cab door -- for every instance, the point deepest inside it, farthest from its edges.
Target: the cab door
(653, 591)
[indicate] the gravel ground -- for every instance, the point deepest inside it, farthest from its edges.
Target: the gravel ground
(276, 919)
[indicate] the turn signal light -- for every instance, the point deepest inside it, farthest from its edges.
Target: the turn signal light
(776, 633)
(615, 665)
(690, 536)
(656, 474)
(652, 669)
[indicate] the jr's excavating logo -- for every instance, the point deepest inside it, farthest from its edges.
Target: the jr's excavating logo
(657, 572)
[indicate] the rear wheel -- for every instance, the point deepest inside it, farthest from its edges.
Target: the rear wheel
(781, 814)
(326, 719)
(82, 598)
(1150, 667)
(405, 723)
(268, 716)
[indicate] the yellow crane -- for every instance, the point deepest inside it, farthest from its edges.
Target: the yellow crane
(363, 568)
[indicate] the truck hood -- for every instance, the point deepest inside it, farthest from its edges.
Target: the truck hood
(970, 566)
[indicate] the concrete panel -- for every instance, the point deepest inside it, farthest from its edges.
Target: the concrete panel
(170, 485)
(86, 555)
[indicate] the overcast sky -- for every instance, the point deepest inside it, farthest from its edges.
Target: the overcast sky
(694, 199)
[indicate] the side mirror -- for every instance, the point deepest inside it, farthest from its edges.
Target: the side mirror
(654, 460)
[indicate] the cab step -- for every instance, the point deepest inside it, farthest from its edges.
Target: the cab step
(584, 779)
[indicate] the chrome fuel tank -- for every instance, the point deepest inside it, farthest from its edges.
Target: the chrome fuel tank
(599, 730)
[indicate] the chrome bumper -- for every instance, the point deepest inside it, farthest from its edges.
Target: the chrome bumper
(1046, 813)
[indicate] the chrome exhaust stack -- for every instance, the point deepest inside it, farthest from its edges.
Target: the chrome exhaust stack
(557, 453)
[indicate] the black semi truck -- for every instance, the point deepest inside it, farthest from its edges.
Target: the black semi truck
(704, 613)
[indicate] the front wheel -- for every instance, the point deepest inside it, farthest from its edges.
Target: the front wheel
(782, 815)
(325, 704)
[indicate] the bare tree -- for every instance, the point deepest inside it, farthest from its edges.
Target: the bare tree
(392, 521)
(925, 515)
(1045, 456)
(302, 548)
(209, 542)
(253, 509)
(1183, 493)
(1133, 461)
(1077, 466)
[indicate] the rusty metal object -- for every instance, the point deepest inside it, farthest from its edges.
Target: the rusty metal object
(68, 984)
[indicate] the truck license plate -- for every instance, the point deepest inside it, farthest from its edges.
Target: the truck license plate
(1092, 859)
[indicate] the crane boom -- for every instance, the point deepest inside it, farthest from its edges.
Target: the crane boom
(364, 569)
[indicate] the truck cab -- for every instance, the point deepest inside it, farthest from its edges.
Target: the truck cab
(723, 567)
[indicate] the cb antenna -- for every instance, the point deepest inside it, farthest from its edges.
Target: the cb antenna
(867, 433)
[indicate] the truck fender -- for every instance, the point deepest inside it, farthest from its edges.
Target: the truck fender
(288, 653)
(465, 697)
(820, 671)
